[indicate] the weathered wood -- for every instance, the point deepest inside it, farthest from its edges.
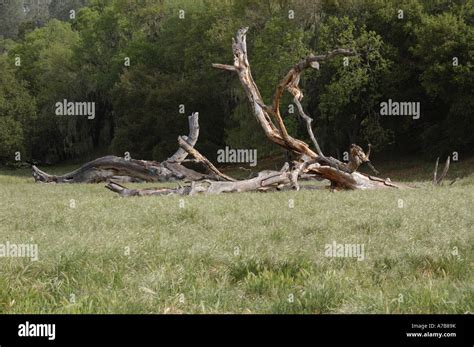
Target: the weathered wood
(191, 139)
(202, 159)
(265, 181)
(124, 192)
(309, 163)
(132, 170)
(104, 168)
(438, 180)
(341, 175)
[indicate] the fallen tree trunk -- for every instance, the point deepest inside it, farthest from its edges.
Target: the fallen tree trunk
(121, 169)
(266, 180)
(132, 170)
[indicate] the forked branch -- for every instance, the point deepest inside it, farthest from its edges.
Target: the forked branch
(200, 158)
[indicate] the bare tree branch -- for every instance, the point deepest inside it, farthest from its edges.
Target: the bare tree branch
(199, 157)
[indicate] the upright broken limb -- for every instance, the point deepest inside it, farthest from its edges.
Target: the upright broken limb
(438, 180)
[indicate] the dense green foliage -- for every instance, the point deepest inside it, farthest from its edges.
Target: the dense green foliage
(140, 60)
(17, 111)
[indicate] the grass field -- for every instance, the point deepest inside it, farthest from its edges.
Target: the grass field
(240, 253)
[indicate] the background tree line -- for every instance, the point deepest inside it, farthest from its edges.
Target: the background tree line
(78, 50)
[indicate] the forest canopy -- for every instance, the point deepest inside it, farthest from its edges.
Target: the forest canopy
(147, 66)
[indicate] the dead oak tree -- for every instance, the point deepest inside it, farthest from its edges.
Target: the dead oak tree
(309, 163)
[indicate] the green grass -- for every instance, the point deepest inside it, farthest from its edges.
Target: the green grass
(239, 253)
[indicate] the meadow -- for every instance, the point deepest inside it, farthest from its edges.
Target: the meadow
(240, 253)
